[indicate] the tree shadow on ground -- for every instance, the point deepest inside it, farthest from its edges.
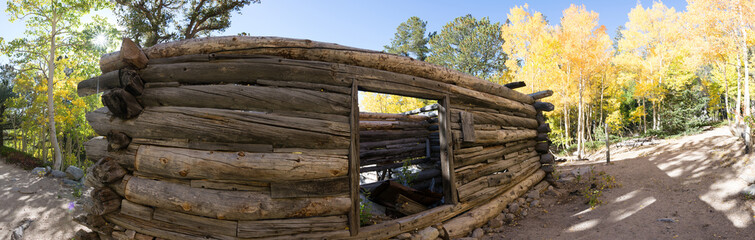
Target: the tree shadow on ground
(690, 184)
(42, 199)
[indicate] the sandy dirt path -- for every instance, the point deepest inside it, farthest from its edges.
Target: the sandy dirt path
(691, 180)
(42, 199)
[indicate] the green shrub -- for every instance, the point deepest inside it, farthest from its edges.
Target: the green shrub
(21, 159)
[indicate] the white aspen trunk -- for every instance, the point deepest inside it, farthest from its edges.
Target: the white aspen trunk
(58, 160)
(738, 110)
(604, 118)
(580, 122)
(726, 93)
(644, 117)
(747, 110)
(566, 97)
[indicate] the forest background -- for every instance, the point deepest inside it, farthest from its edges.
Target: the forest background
(666, 71)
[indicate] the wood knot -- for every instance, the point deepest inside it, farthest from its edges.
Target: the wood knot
(183, 173)
(164, 161)
(186, 206)
(241, 154)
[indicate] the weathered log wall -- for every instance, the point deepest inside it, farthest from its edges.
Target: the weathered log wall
(255, 137)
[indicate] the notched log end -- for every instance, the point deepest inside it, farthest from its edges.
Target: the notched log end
(543, 106)
(133, 54)
(117, 140)
(122, 104)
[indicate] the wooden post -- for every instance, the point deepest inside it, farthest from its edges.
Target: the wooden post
(446, 152)
(354, 160)
(467, 127)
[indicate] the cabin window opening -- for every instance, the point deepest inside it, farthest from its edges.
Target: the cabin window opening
(399, 150)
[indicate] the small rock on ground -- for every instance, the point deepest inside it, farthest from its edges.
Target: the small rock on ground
(429, 233)
(74, 173)
(478, 233)
(57, 174)
(581, 171)
(404, 236)
(497, 221)
(18, 232)
(71, 183)
(39, 171)
(513, 207)
(749, 190)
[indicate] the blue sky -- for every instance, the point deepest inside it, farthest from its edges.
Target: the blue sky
(371, 24)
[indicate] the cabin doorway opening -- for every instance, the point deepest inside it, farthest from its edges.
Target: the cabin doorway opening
(399, 153)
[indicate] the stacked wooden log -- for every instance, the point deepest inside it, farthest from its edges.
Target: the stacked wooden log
(259, 137)
(543, 142)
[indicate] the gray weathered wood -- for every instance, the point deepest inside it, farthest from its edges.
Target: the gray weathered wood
(132, 54)
(217, 125)
(543, 106)
(514, 85)
(160, 229)
(544, 128)
(107, 170)
(96, 149)
(183, 163)
(354, 162)
(262, 187)
(135, 210)
(547, 158)
(326, 52)
(542, 147)
(231, 205)
(254, 98)
(197, 223)
(210, 146)
(541, 94)
(122, 104)
(503, 136)
(383, 144)
(106, 81)
(117, 141)
(446, 152)
(305, 85)
(497, 119)
(310, 188)
(467, 127)
(289, 227)
(491, 152)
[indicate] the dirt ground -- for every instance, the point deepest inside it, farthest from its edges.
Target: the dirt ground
(685, 188)
(41, 199)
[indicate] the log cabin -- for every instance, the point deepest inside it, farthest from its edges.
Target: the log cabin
(261, 138)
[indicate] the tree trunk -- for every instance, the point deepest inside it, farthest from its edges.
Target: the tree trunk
(738, 110)
(747, 110)
(58, 161)
(24, 142)
(644, 117)
(580, 122)
(69, 142)
(2, 135)
(726, 92)
(566, 126)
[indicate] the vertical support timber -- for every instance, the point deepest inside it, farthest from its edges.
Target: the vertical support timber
(446, 152)
(354, 160)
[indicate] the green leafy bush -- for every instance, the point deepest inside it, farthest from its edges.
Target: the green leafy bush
(21, 159)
